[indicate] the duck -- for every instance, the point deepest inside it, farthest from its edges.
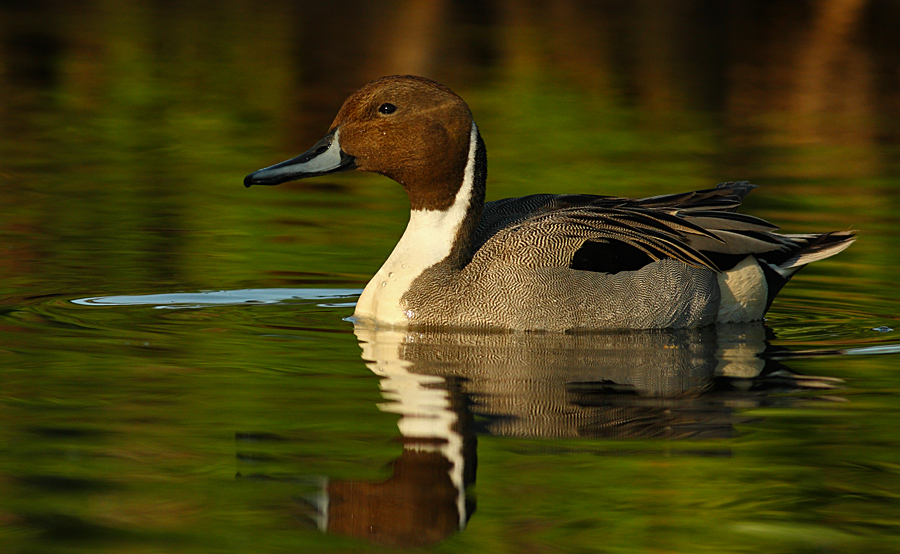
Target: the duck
(543, 262)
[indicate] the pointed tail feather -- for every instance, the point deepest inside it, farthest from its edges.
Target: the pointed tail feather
(817, 247)
(807, 249)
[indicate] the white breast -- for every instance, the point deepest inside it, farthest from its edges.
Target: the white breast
(428, 239)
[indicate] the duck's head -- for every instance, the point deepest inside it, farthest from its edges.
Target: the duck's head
(411, 129)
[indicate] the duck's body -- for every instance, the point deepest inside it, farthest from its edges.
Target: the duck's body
(542, 262)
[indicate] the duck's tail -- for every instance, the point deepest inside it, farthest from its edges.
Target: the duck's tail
(812, 248)
(802, 250)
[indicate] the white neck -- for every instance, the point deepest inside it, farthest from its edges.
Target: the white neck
(428, 239)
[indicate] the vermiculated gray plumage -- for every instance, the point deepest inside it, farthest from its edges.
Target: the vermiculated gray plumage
(542, 262)
(589, 262)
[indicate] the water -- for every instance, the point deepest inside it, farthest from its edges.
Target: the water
(177, 368)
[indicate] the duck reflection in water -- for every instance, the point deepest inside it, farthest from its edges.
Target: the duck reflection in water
(447, 387)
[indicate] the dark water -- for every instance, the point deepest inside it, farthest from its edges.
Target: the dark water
(177, 373)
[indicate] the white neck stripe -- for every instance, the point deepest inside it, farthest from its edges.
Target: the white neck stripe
(429, 239)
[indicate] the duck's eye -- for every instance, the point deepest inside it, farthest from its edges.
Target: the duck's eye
(387, 108)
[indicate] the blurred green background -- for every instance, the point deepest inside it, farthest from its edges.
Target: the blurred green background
(126, 129)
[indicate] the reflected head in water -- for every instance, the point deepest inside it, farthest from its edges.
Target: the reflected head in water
(448, 387)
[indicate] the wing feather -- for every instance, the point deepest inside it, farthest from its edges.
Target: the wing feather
(699, 228)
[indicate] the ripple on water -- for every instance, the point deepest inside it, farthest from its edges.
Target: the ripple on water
(823, 322)
(181, 300)
(148, 317)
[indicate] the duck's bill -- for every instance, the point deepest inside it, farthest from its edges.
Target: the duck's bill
(323, 158)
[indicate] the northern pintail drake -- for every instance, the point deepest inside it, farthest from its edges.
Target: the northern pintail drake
(546, 261)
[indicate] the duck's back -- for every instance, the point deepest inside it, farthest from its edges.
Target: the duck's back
(563, 262)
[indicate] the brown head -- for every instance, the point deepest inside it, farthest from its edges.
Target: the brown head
(411, 129)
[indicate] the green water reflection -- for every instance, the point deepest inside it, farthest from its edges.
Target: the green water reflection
(125, 131)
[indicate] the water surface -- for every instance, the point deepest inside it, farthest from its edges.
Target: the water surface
(177, 367)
